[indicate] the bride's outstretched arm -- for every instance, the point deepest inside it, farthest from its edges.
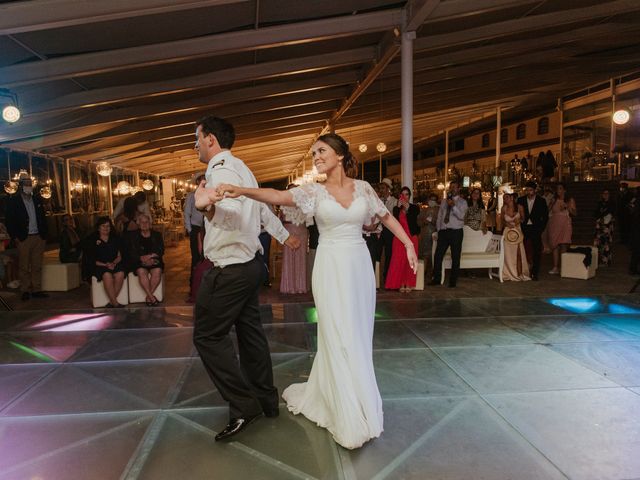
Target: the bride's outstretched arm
(266, 195)
(394, 226)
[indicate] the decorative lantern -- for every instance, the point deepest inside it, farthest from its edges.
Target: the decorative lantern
(362, 147)
(103, 169)
(123, 188)
(10, 187)
(45, 192)
(147, 184)
(381, 147)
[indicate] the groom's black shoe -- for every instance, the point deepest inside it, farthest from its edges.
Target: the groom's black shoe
(236, 425)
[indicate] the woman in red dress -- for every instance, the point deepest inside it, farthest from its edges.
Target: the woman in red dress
(400, 274)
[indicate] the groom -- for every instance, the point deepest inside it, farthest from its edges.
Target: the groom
(536, 215)
(228, 294)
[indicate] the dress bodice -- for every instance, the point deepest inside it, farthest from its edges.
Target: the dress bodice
(336, 223)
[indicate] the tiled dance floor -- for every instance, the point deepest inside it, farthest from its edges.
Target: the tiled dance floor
(485, 388)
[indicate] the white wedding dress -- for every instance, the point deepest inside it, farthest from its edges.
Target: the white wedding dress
(341, 394)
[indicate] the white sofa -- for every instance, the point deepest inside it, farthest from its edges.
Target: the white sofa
(137, 294)
(474, 252)
(572, 264)
(99, 296)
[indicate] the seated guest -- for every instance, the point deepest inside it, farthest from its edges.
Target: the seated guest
(103, 259)
(145, 250)
(70, 249)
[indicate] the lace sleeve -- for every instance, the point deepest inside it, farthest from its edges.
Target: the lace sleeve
(376, 207)
(304, 197)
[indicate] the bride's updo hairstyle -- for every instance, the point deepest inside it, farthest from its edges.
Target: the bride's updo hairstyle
(341, 148)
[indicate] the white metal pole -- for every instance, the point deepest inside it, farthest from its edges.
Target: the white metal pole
(406, 50)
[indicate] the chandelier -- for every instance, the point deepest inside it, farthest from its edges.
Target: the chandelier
(10, 187)
(103, 169)
(45, 192)
(147, 184)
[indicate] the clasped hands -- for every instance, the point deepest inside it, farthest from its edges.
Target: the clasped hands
(204, 196)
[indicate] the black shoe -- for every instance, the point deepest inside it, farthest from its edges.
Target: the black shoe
(272, 412)
(534, 278)
(25, 296)
(434, 283)
(235, 426)
(40, 294)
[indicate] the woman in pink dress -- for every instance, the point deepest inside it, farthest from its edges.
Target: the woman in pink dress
(559, 228)
(400, 275)
(294, 262)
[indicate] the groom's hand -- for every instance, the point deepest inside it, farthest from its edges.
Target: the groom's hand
(292, 242)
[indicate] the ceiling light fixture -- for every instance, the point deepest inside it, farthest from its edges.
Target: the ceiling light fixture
(9, 103)
(620, 117)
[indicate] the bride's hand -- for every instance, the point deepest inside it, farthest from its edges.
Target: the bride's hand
(229, 191)
(412, 257)
(203, 196)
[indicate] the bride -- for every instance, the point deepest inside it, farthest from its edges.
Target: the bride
(341, 394)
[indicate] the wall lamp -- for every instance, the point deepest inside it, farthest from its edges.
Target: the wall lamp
(9, 105)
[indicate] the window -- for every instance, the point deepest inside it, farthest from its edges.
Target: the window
(504, 135)
(521, 131)
(485, 140)
(543, 126)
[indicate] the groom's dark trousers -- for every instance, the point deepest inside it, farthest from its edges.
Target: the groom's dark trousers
(228, 297)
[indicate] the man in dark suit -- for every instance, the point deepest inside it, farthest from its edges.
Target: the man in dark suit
(28, 229)
(536, 215)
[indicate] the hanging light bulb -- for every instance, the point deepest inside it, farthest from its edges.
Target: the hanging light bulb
(10, 187)
(620, 117)
(363, 147)
(147, 184)
(104, 169)
(45, 192)
(10, 111)
(123, 187)
(381, 147)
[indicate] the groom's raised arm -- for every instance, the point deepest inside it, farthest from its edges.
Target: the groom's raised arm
(227, 213)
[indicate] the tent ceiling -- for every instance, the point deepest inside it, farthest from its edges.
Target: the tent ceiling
(124, 81)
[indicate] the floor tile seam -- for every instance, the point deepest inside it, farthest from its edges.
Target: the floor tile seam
(31, 386)
(580, 364)
(273, 462)
(127, 361)
(114, 388)
(510, 424)
(174, 392)
(633, 391)
(72, 445)
(139, 456)
(104, 330)
(129, 347)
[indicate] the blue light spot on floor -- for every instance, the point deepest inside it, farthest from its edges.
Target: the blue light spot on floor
(577, 305)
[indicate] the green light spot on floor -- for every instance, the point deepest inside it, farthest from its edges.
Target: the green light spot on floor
(32, 352)
(311, 315)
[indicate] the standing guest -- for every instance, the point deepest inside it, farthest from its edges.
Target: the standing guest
(560, 230)
(605, 224)
(449, 224)
(386, 237)
(28, 229)
(492, 211)
(272, 227)
(142, 205)
(534, 217)
(427, 219)
(476, 215)
(549, 165)
(228, 294)
(104, 259)
(515, 258)
(70, 245)
(144, 252)
(634, 232)
(401, 275)
(193, 225)
(126, 221)
(341, 393)
(624, 212)
(294, 261)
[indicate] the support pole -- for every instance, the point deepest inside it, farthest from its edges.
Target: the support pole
(446, 161)
(612, 142)
(561, 154)
(498, 129)
(110, 195)
(406, 49)
(67, 179)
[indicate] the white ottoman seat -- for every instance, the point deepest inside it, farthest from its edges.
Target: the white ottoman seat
(572, 264)
(99, 296)
(59, 277)
(138, 295)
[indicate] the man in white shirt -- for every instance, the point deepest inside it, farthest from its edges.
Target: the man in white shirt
(228, 294)
(449, 224)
